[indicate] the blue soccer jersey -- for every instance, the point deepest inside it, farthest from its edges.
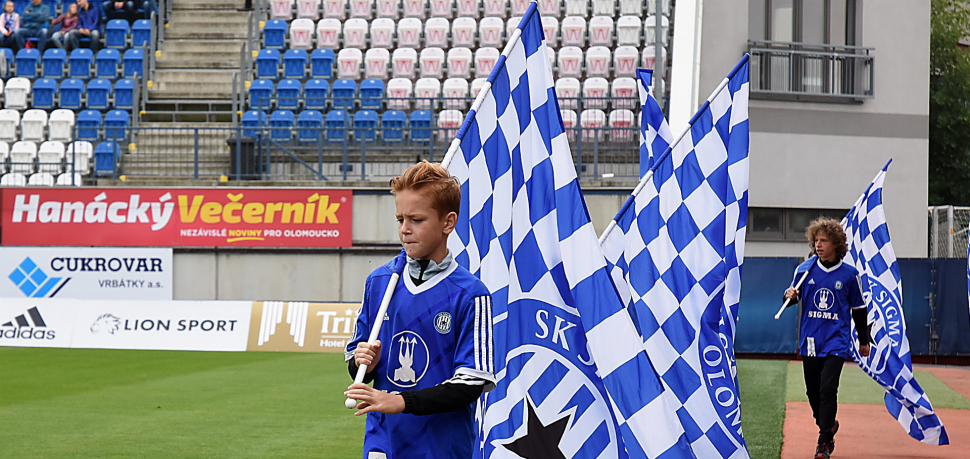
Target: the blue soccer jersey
(828, 295)
(432, 332)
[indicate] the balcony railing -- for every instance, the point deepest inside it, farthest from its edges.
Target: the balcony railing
(817, 73)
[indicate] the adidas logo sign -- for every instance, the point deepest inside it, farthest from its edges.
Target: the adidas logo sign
(26, 326)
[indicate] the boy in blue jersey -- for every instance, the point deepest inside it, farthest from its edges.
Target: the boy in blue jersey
(831, 292)
(434, 356)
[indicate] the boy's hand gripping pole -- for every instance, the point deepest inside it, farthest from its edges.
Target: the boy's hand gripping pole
(788, 300)
(374, 331)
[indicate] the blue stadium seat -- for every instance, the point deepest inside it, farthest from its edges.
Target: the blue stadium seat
(8, 53)
(125, 94)
(365, 126)
(107, 63)
(344, 91)
(274, 34)
(288, 94)
(80, 63)
(116, 34)
(27, 60)
(44, 90)
(268, 64)
(141, 33)
(88, 123)
(309, 123)
(54, 60)
(315, 94)
(106, 156)
(98, 91)
(255, 120)
(371, 94)
(336, 124)
(261, 94)
(421, 126)
(294, 63)
(321, 63)
(115, 123)
(281, 125)
(71, 90)
(393, 123)
(133, 62)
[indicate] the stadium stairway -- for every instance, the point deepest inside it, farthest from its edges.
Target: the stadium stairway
(168, 156)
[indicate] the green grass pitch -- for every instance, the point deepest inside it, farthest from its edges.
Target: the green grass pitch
(80, 403)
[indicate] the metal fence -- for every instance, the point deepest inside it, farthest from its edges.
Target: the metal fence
(948, 227)
(807, 71)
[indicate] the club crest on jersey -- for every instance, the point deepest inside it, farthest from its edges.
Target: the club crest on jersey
(409, 359)
(838, 285)
(824, 299)
(442, 322)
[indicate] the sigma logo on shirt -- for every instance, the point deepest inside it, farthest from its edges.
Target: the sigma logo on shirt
(442, 322)
(30, 325)
(409, 359)
(824, 299)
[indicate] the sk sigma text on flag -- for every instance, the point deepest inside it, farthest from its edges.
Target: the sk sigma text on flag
(573, 379)
(675, 251)
(871, 252)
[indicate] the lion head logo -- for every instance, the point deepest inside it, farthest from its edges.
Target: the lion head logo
(106, 323)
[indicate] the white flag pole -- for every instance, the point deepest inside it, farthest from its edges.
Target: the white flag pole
(374, 331)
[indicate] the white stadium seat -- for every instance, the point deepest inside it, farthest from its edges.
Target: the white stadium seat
(463, 32)
(485, 59)
(467, 8)
(550, 28)
(65, 179)
(625, 61)
(632, 7)
(623, 92)
(592, 121)
(577, 8)
(15, 93)
(436, 32)
(361, 8)
(440, 8)
(511, 24)
(409, 33)
(50, 156)
(455, 90)
(567, 90)
(494, 8)
(309, 9)
(570, 61)
(628, 31)
(519, 7)
(477, 85)
(622, 123)
(13, 179)
(335, 9)
(649, 55)
(9, 122)
(664, 6)
(403, 62)
(348, 63)
(459, 63)
(355, 33)
(382, 33)
(601, 31)
(281, 9)
(328, 33)
(414, 8)
(425, 90)
(490, 31)
(603, 7)
(22, 155)
(399, 92)
(432, 60)
(301, 33)
(4, 154)
(33, 124)
(650, 27)
(449, 121)
(595, 92)
(598, 61)
(551, 53)
(375, 63)
(79, 153)
(569, 123)
(41, 179)
(549, 8)
(387, 8)
(574, 31)
(61, 125)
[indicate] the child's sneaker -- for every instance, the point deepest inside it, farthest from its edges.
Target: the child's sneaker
(822, 451)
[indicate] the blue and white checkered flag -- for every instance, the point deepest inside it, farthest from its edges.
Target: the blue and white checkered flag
(655, 135)
(573, 377)
(889, 363)
(675, 251)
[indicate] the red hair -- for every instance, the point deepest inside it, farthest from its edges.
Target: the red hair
(434, 182)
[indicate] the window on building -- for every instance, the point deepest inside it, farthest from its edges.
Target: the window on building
(812, 22)
(788, 225)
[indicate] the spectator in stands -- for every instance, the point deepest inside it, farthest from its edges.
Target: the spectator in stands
(68, 22)
(88, 25)
(9, 23)
(36, 23)
(149, 6)
(119, 10)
